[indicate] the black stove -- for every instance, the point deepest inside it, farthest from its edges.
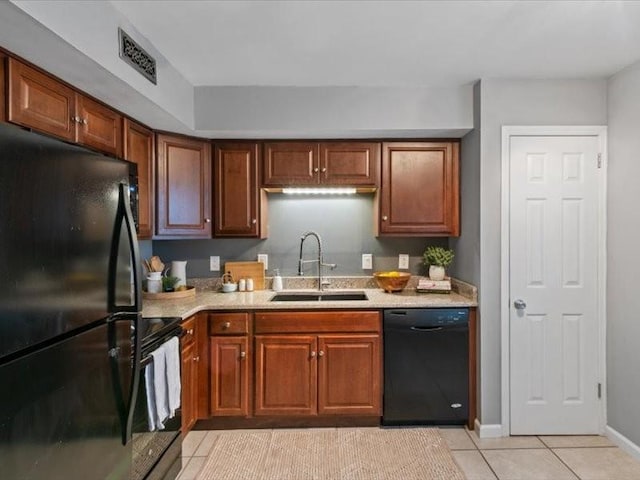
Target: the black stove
(153, 330)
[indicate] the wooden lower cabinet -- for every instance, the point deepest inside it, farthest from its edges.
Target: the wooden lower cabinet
(189, 375)
(318, 363)
(286, 375)
(3, 93)
(230, 361)
(349, 375)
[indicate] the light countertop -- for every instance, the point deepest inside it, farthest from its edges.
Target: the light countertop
(259, 300)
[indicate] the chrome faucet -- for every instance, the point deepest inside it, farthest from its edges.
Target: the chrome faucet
(319, 260)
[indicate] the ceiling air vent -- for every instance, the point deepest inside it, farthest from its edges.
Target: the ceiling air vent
(137, 57)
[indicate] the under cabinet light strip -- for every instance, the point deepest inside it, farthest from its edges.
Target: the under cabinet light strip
(319, 191)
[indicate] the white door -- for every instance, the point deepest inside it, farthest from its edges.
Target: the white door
(553, 285)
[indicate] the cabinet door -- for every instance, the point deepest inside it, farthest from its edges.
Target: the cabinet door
(285, 375)
(3, 92)
(349, 163)
(184, 187)
(349, 375)
(40, 102)
(99, 126)
(290, 163)
(189, 384)
(139, 148)
(235, 167)
(229, 370)
(419, 194)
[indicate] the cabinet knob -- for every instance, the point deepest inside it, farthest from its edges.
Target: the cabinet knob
(196, 359)
(226, 324)
(254, 221)
(207, 220)
(190, 331)
(321, 353)
(243, 354)
(324, 170)
(313, 354)
(384, 218)
(75, 119)
(84, 121)
(315, 170)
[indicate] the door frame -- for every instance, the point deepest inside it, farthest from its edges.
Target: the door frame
(508, 131)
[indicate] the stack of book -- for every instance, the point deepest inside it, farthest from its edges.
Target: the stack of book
(426, 285)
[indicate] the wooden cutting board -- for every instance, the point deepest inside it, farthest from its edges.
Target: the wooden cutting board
(253, 270)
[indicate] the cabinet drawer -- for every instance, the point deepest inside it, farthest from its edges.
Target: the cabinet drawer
(228, 323)
(317, 322)
(189, 327)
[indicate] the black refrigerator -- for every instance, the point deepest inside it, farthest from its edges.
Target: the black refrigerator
(69, 308)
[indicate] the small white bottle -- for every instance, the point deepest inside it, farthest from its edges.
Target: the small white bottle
(277, 281)
(249, 284)
(242, 285)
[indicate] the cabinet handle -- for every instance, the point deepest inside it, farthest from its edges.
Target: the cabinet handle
(196, 359)
(254, 221)
(321, 353)
(313, 354)
(243, 354)
(190, 331)
(226, 324)
(207, 220)
(384, 218)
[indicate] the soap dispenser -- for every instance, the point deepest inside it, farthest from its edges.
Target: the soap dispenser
(277, 281)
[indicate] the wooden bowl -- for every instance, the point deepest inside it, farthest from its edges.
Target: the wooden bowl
(392, 281)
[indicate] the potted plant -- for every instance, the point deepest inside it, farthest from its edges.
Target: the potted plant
(438, 259)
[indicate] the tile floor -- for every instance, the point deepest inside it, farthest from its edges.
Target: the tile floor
(512, 458)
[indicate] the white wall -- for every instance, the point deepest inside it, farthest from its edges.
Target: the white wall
(623, 259)
(333, 112)
(516, 102)
(82, 49)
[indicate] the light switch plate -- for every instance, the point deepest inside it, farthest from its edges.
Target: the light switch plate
(403, 261)
(367, 261)
(264, 258)
(214, 263)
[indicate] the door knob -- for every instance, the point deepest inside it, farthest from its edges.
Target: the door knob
(519, 304)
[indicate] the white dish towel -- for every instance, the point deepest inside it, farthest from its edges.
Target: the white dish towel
(162, 382)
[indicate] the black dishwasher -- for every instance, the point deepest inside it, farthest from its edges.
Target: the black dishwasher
(426, 366)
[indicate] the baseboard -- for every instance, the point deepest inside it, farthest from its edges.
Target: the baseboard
(623, 442)
(488, 431)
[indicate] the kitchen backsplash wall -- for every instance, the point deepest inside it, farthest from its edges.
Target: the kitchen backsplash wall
(344, 223)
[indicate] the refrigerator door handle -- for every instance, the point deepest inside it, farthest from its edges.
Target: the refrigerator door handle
(124, 214)
(125, 409)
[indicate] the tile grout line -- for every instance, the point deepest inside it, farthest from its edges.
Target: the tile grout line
(565, 464)
(484, 459)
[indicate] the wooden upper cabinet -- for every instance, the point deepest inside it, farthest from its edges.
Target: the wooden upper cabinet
(98, 126)
(290, 163)
(3, 93)
(183, 187)
(327, 164)
(419, 195)
(349, 163)
(236, 191)
(139, 148)
(39, 101)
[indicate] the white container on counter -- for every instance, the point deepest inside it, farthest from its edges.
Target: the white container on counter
(249, 284)
(154, 285)
(242, 285)
(277, 282)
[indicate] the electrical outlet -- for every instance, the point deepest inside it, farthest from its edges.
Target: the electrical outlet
(403, 261)
(367, 261)
(214, 263)
(264, 258)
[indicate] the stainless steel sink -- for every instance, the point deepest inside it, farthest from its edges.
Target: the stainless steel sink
(319, 296)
